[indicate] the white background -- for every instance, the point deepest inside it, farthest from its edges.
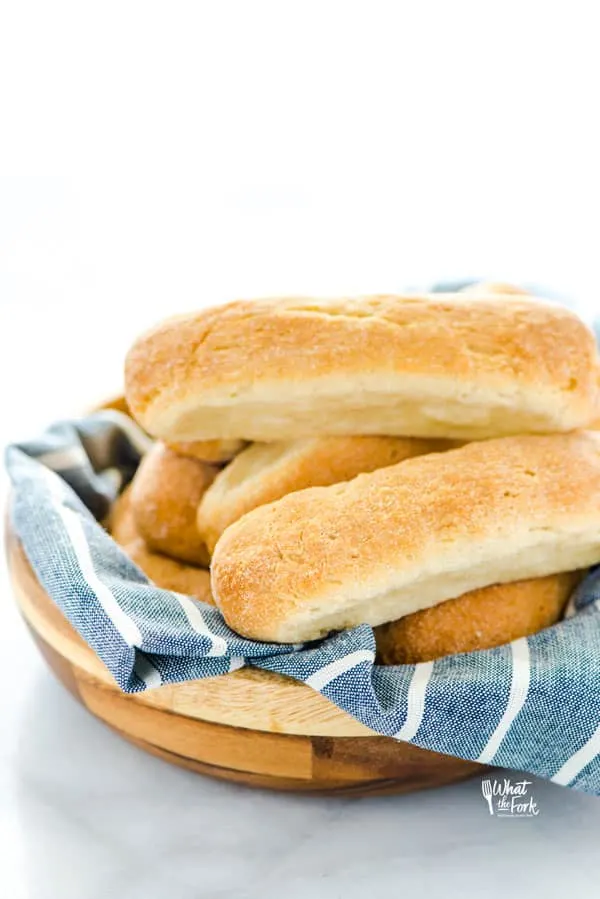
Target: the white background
(162, 156)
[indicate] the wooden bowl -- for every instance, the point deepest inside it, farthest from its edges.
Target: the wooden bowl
(250, 726)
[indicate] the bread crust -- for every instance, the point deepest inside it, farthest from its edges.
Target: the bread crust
(411, 536)
(480, 619)
(169, 574)
(214, 451)
(121, 523)
(165, 494)
(163, 571)
(496, 287)
(442, 365)
(265, 472)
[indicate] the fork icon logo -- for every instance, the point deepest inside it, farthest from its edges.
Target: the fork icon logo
(509, 799)
(486, 789)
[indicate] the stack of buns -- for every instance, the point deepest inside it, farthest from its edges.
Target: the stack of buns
(417, 463)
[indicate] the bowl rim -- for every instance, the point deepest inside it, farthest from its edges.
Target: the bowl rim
(248, 698)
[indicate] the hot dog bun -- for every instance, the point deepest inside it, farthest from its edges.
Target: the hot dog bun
(121, 522)
(165, 493)
(480, 619)
(170, 574)
(456, 365)
(411, 536)
(265, 472)
(214, 451)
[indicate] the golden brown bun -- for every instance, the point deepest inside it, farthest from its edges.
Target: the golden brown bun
(119, 404)
(170, 574)
(480, 619)
(165, 493)
(493, 287)
(121, 522)
(411, 536)
(477, 620)
(214, 451)
(444, 365)
(267, 471)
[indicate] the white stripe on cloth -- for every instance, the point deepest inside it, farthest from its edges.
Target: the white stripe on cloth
(196, 620)
(325, 675)
(147, 672)
(519, 687)
(415, 701)
(114, 477)
(571, 609)
(578, 761)
(63, 459)
(125, 626)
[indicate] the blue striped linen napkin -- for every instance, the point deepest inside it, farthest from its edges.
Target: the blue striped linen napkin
(532, 705)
